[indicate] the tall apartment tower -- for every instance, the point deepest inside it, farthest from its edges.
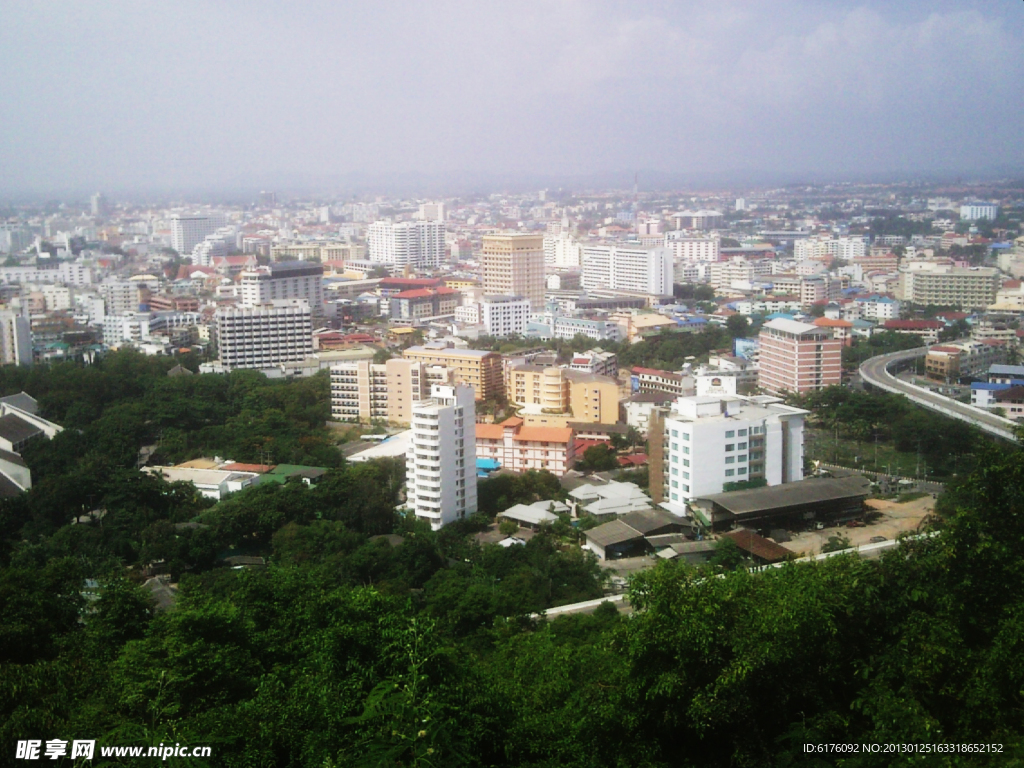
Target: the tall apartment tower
(797, 357)
(628, 268)
(513, 265)
(285, 280)
(264, 336)
(415, 244)
(440, 465)
(188, 230)
(98, 205)
(15, 339)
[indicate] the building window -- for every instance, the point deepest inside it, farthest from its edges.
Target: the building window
(686, 489)
(730, 472)
(743, 457)
(686, 475)
(675, 483)
(730, 447)
(743, 470)
(686, 462)
(675, 446)
(675, 433)
(741, 446)
(686, 435)
(674, 458)
(730, 459)
(743, 433)
(686, 450)
(675, 470)
(731, 433)
(675, 497)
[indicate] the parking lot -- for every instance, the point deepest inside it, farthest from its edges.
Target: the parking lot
(892, 520)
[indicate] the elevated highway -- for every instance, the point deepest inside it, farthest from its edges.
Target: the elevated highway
(876, 373)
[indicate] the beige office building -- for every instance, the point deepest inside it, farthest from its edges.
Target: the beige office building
(365, 391)
(476, 368)
(513, 265)
(552, 397)
(924, 283)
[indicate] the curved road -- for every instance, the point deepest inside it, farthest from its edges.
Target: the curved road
(876, 372)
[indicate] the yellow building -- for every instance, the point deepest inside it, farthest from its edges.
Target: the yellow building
(641, 324)
(366, 391)
(460, 284)
(476, 368)
(552, 397)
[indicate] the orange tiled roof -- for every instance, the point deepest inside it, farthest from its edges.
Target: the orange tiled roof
(828, 322)
(490, 431)
(544, 435)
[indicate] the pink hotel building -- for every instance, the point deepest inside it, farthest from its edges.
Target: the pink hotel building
(797, 357)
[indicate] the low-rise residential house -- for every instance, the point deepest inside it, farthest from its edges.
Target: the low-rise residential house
(841, 329)
(612, 498)
(1011, 401)
(653, 380)
(535, 515)
(928, 330)
(212, 483)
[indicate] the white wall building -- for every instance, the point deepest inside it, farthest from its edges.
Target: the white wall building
(64, 273)
(628, 268)
(284, 280)
(561, 251)
(432, 212)
(188, 230)
(415, 244)
(975, 210)
(710, 441)
(504, 315)
(264, 336)
(689, 247)
(440, 466)
(15, 339)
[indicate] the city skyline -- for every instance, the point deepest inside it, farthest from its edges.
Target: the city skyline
(197, 97)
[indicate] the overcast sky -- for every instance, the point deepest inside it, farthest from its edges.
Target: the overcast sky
(138, 94)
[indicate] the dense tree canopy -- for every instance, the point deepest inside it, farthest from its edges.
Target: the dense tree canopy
(354, 649)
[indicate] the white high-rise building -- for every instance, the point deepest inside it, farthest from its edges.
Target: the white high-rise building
(98, 205)
(440, 464)
(211, 247)
(975, 211)
(432, 212)
(845, 248)
(628, 268)
(264, 336)
(122, 296)
(711, 441)
(416, 244)
(15, 339)
(285, 280)
(561, 251)
(688, 249)
(188, 230)
(504, 315)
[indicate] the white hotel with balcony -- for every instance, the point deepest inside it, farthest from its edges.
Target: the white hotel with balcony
(440, 465)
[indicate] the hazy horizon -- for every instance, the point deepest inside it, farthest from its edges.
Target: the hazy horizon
(206, 96)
